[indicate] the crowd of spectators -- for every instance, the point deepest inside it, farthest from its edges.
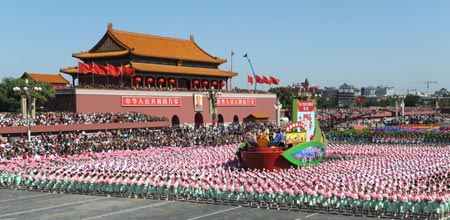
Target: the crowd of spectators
(79, 142)
(347, 118)
(69, 118)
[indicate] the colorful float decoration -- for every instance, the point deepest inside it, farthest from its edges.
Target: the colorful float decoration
(304, 143)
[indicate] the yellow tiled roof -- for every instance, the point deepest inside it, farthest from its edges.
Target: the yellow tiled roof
(49, 78)
(153, 46)
(69, 70)
(101, 54)
(145, 67)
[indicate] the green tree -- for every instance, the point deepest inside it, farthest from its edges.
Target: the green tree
(284, 97)
(412, 100)
(10, 102)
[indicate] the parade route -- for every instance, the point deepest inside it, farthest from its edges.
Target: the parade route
(36, 205)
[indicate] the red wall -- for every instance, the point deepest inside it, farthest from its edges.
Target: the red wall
(98, 100)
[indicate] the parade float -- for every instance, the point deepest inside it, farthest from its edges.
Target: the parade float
(304, 143)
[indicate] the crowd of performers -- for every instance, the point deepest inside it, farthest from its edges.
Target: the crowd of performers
(407, 180)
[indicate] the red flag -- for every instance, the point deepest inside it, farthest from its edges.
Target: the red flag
(265, 80)
(113, 70)
(259, 79)
(84, 68)
(274, 80)
(99, 69)
(127, 71)
(250, 79)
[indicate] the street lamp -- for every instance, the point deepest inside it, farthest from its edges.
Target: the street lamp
(399, 100)
(212, 96)
(28, 103)
(278, 106)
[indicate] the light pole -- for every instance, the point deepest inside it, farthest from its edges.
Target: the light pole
(399, 100)
(251, 66)
(436, 106)
(278, 106)
(212, 96)
(28, 103)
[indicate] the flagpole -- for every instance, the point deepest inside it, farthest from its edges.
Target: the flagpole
(231, 68)
(78, 75)
(121, 75)
(251, 66)
(107, 77)
(93, 82)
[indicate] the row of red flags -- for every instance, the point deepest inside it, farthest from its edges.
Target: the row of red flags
(263, 80)
(108, 70)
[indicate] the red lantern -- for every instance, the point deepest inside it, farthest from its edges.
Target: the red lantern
(196, 82)
(138, 80)
(214, 83)
(171, 81)
(149, 80)
(205, 83)
(222, 84)
(161, 80)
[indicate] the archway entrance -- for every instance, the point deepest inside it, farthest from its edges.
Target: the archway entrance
(220, 118)
(235, 119)
(198, 119)
(175, 120)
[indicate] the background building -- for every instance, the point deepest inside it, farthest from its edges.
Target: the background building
(377, 92)
(345, 95)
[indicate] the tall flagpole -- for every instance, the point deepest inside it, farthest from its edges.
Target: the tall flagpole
(251, 66)
(78, 76)
(93, 82)
(231, 68)
(232, 54)
(121, 75)
(107, 77)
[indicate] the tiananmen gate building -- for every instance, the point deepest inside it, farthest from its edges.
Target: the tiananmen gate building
(159, 76)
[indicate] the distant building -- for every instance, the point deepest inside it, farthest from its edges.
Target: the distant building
(345, 95)
(357, 92)
(329, 93)
(368, 92)
(442, 93)
(384, 91)
(377, 92)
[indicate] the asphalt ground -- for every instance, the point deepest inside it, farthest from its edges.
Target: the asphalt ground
(36, 205)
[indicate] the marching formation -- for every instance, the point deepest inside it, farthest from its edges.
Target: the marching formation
(370, 179)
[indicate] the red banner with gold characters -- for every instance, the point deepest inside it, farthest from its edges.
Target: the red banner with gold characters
(225, 102)
(305, 106)
(132, 101)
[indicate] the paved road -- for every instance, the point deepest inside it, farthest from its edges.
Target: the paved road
(36, 205)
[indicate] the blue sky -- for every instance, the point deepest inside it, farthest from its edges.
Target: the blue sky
(400, 43)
